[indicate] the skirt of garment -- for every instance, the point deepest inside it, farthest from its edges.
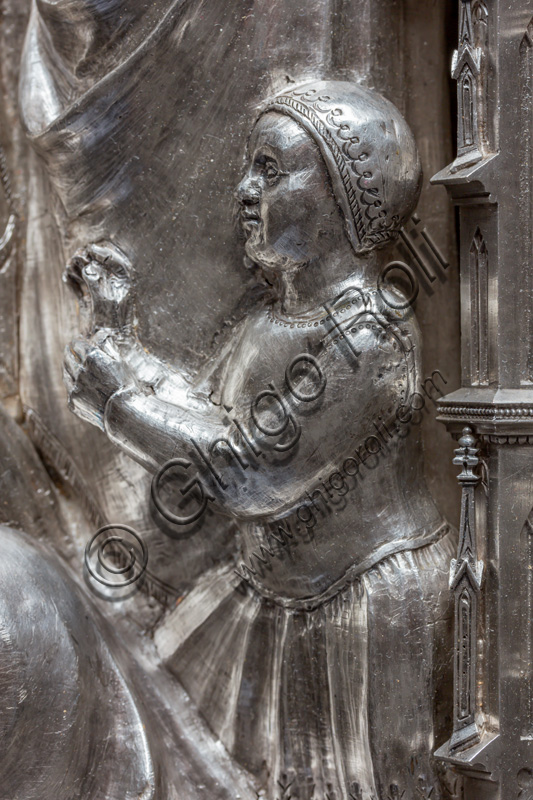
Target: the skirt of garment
(342, 702)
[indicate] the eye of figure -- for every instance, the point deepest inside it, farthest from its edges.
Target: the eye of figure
(268, 167)
(271, 169)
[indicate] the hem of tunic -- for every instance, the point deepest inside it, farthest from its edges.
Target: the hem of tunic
(352, 574)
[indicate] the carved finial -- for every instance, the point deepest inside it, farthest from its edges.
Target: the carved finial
(467, 440)
(466, 457)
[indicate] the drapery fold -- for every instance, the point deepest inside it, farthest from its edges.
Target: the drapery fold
(320, 702)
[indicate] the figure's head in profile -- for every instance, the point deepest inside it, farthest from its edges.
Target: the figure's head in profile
(328, 161)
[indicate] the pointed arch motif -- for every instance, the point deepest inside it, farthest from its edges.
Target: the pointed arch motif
(480, 11)
(465, 581)
(465, 25)
(480, 18)
(466, 70)
(479, 303)
(466, 87)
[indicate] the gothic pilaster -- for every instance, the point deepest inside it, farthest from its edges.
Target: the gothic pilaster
(491, 743)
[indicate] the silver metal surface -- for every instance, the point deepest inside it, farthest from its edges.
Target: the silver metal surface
(491, 745)
(202, 202)
(294, 401)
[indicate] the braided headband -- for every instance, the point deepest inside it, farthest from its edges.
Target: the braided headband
(348, 190)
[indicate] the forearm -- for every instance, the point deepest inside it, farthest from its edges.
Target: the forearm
(244, 477)
(152, 431)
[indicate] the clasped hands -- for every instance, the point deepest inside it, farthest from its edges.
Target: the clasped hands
(94, 368)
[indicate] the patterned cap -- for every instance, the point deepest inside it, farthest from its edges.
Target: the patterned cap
(369, 151)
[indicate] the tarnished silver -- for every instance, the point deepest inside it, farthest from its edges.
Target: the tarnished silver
(210, 202)
(491, 739)
(297, 398)
(466, 574)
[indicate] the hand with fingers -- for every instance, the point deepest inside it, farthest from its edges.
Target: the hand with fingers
(101, 276)
(93, 371)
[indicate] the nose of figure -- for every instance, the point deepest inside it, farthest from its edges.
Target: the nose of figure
(248, 191)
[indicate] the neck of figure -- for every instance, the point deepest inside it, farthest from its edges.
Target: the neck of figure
(326, 276)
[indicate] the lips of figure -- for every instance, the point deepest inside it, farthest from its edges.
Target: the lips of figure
(250, 219)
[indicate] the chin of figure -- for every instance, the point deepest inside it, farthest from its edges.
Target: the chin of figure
(275, 260)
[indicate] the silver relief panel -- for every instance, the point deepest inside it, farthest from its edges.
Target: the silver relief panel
(232, 306)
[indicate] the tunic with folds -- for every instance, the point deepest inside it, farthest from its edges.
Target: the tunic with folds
(333, 701)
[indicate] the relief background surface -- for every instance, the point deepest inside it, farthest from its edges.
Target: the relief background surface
(142, 144)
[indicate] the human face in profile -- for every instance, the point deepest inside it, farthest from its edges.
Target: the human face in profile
(287, 208)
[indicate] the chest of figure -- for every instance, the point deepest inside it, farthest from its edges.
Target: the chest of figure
(278, 357)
